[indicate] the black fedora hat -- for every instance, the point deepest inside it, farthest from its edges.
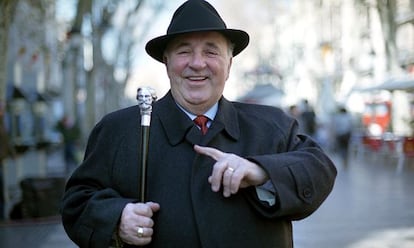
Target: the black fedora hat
(196, 16)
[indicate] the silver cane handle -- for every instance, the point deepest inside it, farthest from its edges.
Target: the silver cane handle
(146, 96)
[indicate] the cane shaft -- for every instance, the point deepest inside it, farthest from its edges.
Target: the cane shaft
(144, 160)
(146, 97)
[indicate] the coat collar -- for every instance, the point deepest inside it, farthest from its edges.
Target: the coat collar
(178, 126)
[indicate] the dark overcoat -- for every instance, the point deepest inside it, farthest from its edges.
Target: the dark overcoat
(191, 214)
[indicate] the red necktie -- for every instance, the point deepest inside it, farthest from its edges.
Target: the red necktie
(201, 121)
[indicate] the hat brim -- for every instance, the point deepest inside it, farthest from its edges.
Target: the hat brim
(155, 47)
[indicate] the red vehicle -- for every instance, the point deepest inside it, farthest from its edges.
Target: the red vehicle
(377, 117)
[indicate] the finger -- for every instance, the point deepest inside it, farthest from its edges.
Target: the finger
(143, 209)
(236, 179)
(227, 181)
(141, 241)
(209, 151)
(143, 235)
(217, 174)
(134, 215)
(143, 232)
(140, 232)
(145, 222)
(154, 206)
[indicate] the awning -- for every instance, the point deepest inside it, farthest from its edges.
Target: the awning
(398, 83)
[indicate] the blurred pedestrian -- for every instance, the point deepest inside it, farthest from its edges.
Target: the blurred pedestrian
(293, 111)
(308, 118)
(342, 127)
(220, 173)
(70, 133)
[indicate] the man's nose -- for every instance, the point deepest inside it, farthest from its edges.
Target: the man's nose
(197, 61)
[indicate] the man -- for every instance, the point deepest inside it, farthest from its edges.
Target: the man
(307, 119)
(342, 127)
(71, 133)
(236, 181)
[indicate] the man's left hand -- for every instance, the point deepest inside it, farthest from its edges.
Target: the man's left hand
(232, 171)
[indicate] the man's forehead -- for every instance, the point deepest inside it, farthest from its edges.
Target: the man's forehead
(208, 36)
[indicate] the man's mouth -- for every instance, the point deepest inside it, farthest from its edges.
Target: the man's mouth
(198, 78)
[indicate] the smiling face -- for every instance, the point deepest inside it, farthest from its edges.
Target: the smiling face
(198, 65)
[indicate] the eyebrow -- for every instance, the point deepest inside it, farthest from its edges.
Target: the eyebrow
(185, 43)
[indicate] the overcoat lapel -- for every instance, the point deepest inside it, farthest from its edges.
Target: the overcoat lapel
(174, 122)
(177, 126)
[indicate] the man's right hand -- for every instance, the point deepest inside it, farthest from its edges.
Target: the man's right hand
(137, 216)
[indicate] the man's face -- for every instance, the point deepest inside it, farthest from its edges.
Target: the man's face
(144, 98)
(198, 65)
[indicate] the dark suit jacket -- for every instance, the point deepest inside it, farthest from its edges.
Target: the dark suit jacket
(191, 215)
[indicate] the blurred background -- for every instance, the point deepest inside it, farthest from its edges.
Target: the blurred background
(343, 68)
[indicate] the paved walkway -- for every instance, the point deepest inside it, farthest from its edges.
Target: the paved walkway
(370, 207)
(37, 233)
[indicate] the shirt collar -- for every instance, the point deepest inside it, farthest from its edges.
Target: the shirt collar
(226, 118)
(211, 113)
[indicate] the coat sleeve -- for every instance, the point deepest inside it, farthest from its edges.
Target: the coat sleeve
(300, 172)
(91, 207)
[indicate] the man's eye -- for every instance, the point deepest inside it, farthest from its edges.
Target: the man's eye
(183, 51)
(212, 52)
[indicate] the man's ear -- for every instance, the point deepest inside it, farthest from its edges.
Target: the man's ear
(229, 67)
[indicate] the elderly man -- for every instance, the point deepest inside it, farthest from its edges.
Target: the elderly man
(220, 173)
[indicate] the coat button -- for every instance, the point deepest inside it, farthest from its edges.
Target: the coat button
(307, 193)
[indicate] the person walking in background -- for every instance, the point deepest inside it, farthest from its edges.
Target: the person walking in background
(342, 127)
(237, 178)
(293, 111)
(307, 118)
(70, 132)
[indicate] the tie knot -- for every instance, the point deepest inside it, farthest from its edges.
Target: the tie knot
(201, 121)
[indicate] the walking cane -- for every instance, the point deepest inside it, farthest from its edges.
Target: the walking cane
(145, 96)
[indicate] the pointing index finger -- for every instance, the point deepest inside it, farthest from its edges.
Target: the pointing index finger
(209, 151)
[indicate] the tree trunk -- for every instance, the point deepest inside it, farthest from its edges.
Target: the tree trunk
(387, 11)
(6, 12)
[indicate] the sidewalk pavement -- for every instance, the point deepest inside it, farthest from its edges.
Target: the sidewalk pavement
(36, 235)
(44, 232)
(370, 207)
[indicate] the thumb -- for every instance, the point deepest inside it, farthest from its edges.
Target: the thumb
(154, 206)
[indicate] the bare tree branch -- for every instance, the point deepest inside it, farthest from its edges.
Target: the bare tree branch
(7, 8)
